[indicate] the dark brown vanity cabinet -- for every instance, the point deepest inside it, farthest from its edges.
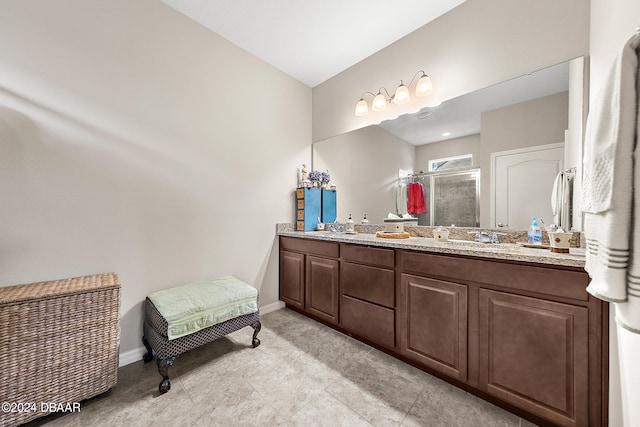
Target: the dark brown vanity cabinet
(309, 274)
(368, 300)
(433, 319)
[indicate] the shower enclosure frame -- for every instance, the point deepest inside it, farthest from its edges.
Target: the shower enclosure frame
(432, 177)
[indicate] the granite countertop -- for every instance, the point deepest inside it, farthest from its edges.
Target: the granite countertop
(504, 251)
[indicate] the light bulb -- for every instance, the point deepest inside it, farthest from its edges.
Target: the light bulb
(402, 94)
(424, 86)
(362, 109)
(379, 102)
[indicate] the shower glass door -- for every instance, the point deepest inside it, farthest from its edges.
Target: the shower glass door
(455, 198)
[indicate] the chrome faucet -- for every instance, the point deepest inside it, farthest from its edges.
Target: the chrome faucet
(484, 237)
(495, 238)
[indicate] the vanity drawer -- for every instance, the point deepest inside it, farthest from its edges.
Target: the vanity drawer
(541, 279)
(368, 321)
(367, 255)
(315, 247)
(371, 284)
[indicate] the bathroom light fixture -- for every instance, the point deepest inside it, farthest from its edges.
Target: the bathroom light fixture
(424, 87)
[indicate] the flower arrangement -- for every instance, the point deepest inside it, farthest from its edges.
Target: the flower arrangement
(320, 178)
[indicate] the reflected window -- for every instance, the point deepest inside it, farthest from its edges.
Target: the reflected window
(456, 162)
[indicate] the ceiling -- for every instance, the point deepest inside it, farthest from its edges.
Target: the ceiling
(313, 41)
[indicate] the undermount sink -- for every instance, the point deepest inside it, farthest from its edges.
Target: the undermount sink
(479, 245)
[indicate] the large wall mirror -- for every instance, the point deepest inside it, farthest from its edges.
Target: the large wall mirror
(371, 164)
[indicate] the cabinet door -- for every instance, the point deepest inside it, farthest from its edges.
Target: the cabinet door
(321, 290)
(292, 279)
(533, 355)
(434, 324)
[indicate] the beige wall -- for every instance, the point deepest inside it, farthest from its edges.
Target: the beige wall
(133, 140)
(475, 45)
(612, 23)
(364, 165)
(537, 122)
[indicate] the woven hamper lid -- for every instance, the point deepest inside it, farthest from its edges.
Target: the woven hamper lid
(34, 291)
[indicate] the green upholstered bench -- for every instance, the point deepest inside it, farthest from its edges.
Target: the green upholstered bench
(185, 317)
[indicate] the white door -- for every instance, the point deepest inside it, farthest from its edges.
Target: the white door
(522, 183)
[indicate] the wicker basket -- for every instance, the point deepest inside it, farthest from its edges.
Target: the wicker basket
(59, 342)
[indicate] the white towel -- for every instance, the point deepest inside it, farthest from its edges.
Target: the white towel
(611, 190)
(401, 198)
(567, 196)
(556, 199)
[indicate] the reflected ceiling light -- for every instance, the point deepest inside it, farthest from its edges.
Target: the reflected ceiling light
(424, 87)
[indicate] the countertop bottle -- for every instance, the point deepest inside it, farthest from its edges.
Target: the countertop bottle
(365, 220)
(534, 236)
(350, 226)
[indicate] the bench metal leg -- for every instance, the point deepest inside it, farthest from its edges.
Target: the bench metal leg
(163, 369)
(256, 328)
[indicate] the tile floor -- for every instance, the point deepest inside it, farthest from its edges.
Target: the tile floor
(303, 374)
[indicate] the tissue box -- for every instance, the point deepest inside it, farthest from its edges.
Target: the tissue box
(393, 225)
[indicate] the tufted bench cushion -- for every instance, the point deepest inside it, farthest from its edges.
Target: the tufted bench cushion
(190, 308)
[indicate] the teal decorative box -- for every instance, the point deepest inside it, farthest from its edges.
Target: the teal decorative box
(308, 202)
(329, 211)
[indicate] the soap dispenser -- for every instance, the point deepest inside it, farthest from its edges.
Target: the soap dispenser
(534, 235)
(350, 227)
(365, 220)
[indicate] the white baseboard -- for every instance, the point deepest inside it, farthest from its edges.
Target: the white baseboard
(131, 356)
(136, 354)
(271, 307)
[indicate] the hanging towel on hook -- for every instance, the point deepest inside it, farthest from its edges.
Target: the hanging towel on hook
(401, 198)
(611, 190)
(416, 204)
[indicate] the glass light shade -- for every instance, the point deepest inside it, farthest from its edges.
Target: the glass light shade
(402, 95)
(424, 86)
(379, 102)
(362, 109)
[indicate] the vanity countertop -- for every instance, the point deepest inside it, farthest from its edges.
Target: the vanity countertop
(504, 251)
